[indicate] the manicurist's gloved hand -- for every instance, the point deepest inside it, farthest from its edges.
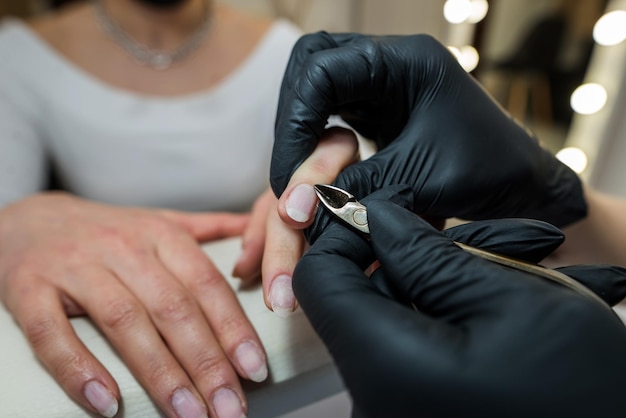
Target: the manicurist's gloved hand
(483, 341)
(436, 129)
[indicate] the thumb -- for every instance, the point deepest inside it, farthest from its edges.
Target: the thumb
(208, 226)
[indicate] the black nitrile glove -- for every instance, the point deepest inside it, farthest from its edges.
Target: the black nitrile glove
(435, 127)
(485, 341)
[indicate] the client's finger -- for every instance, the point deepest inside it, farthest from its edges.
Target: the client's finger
(55, 343)
(283, 248)
(337, 149)
(296, 208)
(248, 265)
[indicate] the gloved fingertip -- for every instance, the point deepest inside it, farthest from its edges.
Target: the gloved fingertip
(278, 183)
(608, 282)
(526, 239)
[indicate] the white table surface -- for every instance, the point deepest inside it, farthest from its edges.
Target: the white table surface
(301, 371)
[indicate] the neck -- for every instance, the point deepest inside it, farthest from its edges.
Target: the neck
(157, 28)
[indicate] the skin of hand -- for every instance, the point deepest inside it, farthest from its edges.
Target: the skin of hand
(278, 245)
(599, 238)
(483, 340)
(248, 265)
(435, 128)
(141, 276)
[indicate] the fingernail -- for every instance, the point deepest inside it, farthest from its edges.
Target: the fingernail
(301, 203)
(100, 398)
(187, 405)
(281, 296)
(227, 404)
(252, 361)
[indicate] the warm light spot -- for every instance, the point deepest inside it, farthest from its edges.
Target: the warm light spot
(467, 56)
(478, 11)
(610, 29)
(588, 98)
(457, 11)
(574, 158)
(455, 51)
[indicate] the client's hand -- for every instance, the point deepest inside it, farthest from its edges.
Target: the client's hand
(141, 276)
(280, 247)
(482, 340)
(436, 130)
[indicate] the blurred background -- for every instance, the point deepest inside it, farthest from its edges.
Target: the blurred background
(556, 65)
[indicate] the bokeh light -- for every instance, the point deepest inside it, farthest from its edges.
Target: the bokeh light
(610, 29)
(574, 158)
(457, 11)
(588, 98)
(478, 11)
(467, 56)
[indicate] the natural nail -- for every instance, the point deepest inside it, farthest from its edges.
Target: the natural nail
(100, 398)
(301, 203)
(281, 296)
(227, 404)
(187, 405)
(252, 361)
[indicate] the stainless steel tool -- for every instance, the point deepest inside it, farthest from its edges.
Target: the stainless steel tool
(344, 206)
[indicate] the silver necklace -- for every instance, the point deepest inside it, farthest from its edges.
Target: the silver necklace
(153, 58)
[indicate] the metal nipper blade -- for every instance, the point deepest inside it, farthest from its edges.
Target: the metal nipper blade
(343, 205)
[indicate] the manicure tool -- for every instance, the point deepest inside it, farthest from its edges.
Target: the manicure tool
(344, 206)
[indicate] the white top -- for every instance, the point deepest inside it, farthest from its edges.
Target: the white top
(205, 151)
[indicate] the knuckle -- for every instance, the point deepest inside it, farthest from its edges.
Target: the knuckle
(64, 363)
(211, 364)
(206, 282)
(428, 43)
(40, 330)
(311, 42)
(424, 39)
(231, 326)
(174, 306)
(68, 367)
(117, 239)
(158, 370)
(315, 68)
(129, 239)
(158, 225)
(121, 314)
